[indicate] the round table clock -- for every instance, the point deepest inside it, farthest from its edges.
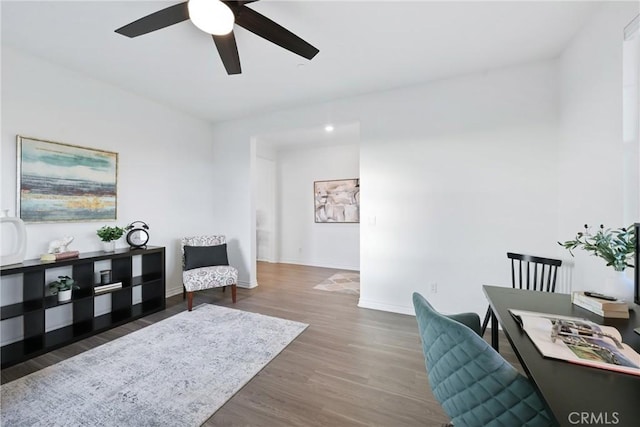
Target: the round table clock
(138, 236)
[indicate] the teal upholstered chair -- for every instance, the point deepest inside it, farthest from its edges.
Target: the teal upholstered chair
(474, 384)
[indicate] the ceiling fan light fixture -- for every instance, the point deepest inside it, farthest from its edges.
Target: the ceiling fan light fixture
(211, 16)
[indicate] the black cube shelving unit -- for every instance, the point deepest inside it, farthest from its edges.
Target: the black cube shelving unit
(36, 299)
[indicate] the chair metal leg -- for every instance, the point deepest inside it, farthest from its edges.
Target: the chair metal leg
(233, 293)
(494, 327)
(189, 300)
(494, 332)
(485, 322)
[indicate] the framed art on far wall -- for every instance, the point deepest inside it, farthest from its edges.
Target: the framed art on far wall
(337, 200)
(65, 183)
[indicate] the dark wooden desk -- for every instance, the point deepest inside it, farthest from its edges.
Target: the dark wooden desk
(569, 389)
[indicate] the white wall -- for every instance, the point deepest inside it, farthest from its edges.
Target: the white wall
(165, 156)
(266, 212)
(233, 185)
(457, 173)
(591, 152)
(301, 240)
(462, 170)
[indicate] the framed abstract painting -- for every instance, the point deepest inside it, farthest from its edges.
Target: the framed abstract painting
(65, 183)
(337, 200)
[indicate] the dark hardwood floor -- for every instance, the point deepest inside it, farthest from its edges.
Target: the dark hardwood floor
(351, 367)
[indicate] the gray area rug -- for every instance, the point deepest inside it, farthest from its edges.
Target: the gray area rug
(177, 372)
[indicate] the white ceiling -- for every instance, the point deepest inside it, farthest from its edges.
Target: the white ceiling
(365, 46)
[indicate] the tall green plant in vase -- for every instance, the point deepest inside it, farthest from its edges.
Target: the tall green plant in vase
(615, 246)
(109, 235)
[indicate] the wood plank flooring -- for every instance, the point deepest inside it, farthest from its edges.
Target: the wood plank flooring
(351, 367)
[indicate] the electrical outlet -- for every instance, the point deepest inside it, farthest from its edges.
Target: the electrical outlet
(434, 288)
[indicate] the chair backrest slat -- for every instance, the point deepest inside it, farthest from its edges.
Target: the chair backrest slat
(542, 278)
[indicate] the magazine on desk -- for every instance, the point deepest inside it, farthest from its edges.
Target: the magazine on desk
(578, 341)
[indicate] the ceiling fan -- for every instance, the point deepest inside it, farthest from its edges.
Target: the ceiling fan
(217, 17)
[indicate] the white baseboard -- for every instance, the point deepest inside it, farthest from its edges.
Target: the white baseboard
(173, 291)
(247, 285)
(374, 305)
(320, 264)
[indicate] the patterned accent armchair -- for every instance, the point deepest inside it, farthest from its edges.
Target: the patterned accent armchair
(205, 266)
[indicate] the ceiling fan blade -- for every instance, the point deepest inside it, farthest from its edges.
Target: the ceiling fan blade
(264, 27)
(228, 50)
(157, 20)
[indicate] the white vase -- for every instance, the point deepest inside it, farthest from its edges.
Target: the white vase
(64, 295)
(14, 232)
(621, 286)
(109, 246)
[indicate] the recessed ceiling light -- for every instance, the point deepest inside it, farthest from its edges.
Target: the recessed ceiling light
(328, 128)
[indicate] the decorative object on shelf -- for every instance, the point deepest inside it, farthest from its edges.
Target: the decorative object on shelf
(60, 256)
(60, 245)
(337, 201)
(105, 277)
(109, 235)
(63, 287)
(138, 236)
(17, 236)
(617, 248)
(59, 250)
(106, 288)
(62, 182)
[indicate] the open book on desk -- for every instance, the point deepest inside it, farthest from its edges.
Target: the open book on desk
(578, 341)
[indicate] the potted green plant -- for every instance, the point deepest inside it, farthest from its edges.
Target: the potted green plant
(109, 235)
(63, 287)
(616, 247)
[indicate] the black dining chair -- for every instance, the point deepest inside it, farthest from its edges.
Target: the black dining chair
(532, 273)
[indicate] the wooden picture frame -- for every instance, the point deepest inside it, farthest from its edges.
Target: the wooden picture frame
(60, 182)
(337, 201)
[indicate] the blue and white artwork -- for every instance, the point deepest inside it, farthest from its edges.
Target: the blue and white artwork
(63, 183)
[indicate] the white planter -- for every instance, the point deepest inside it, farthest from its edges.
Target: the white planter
(64, 295)
(109, 246)
(620, 285)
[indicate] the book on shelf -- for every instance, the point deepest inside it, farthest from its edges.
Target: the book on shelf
(614, 309)
(59, 256)
(578, 341)
(108, 287)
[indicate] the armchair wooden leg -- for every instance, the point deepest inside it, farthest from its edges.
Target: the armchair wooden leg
(189, 300)
(233, 293)
(224, 288)
(184, 292)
